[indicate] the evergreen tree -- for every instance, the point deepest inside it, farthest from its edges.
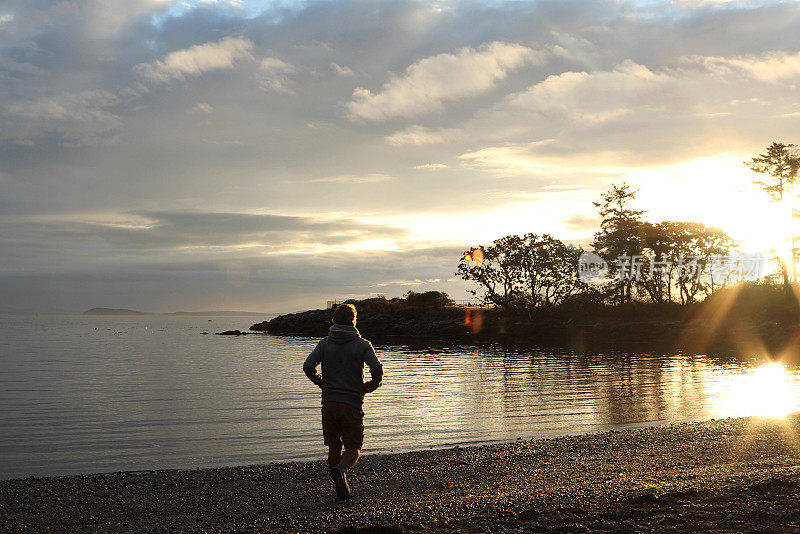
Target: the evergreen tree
(621, 237)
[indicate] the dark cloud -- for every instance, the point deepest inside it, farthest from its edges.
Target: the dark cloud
(176, 237)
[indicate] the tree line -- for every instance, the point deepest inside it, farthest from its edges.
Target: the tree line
(533, 271)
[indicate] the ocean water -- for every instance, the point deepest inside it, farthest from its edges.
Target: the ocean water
(88, 394)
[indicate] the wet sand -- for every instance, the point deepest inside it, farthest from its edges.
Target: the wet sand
(729, 475)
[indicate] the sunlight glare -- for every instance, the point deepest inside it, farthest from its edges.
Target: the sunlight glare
(768, 390)
(716, 191)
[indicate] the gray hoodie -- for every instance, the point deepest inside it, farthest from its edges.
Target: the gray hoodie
(343, 355)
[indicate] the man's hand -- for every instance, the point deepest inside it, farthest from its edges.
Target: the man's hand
(369, 387)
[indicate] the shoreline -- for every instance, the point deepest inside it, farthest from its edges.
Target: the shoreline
(716, 326)
(718, 475)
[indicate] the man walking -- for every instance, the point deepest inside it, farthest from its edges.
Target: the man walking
(343, 355)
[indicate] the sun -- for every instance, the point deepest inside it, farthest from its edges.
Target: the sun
(719, 191)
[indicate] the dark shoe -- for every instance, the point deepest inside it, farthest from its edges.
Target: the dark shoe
(340, 479)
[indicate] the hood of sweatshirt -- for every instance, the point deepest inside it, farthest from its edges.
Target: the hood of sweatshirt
(340, 333)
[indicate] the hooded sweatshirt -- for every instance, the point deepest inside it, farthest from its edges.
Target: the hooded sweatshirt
(343, 355)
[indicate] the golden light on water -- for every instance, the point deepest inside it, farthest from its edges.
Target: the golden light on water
(768, 390)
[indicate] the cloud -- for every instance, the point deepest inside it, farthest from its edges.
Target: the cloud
(353, 178)
(231, 3)
(344, 72)
(81, 119)
(427, 84)
(202, 107)
(538, 158)
(776, 66)
(414, 282)
(417, 135)
(196, 60)
(275, 65)
(630, 115)
(582, 223)
(275, 75)
(595, 97)
(87, 106)
(620, 89)
(184, 234)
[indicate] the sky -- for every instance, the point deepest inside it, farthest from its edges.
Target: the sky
(270, 156)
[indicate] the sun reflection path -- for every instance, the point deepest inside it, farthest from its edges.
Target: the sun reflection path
(768, 390)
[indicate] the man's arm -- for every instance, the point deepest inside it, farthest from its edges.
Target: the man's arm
(311, 363)
(375, 369)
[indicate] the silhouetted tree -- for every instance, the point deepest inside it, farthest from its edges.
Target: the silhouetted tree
(680, 256)
(781, 162)
(428, 299)
(495, 269)
(621, 235)
(550, 269)
(699, 246)
(523, 271)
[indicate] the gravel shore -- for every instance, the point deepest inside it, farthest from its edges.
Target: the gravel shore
(729, 475)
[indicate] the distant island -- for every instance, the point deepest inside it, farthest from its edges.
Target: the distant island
(124, 311)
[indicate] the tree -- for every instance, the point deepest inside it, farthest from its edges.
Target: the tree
(523, 271)
(621, 235)
(699, 246)
(680, 256)
(714, 245)
(428, 299)
(781, 162)
(549, 269)
(495, 269)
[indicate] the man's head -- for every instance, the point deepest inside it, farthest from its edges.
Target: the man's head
(345, 314)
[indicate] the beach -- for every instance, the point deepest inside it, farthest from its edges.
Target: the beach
(722, 475)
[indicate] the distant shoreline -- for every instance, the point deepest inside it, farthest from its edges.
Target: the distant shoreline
(219, 313)
(725, 476)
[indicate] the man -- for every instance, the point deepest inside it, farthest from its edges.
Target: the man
(343, 355)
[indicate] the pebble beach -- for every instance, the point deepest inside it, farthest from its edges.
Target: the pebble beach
(730, 475)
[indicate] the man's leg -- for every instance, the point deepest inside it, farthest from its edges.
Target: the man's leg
(351, 428)
(349, 458)
(339, 473)
(334, 455)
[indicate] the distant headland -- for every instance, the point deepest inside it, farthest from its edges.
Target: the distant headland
(125, 311)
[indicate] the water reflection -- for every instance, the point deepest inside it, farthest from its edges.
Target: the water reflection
(79, 400)
(490, 393)
(768, 390)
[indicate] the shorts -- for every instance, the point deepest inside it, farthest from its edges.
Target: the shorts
(342, 424)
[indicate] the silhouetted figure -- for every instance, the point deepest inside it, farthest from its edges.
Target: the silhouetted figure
(343, 355)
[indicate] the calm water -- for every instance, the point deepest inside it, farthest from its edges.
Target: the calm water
(83, 394)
